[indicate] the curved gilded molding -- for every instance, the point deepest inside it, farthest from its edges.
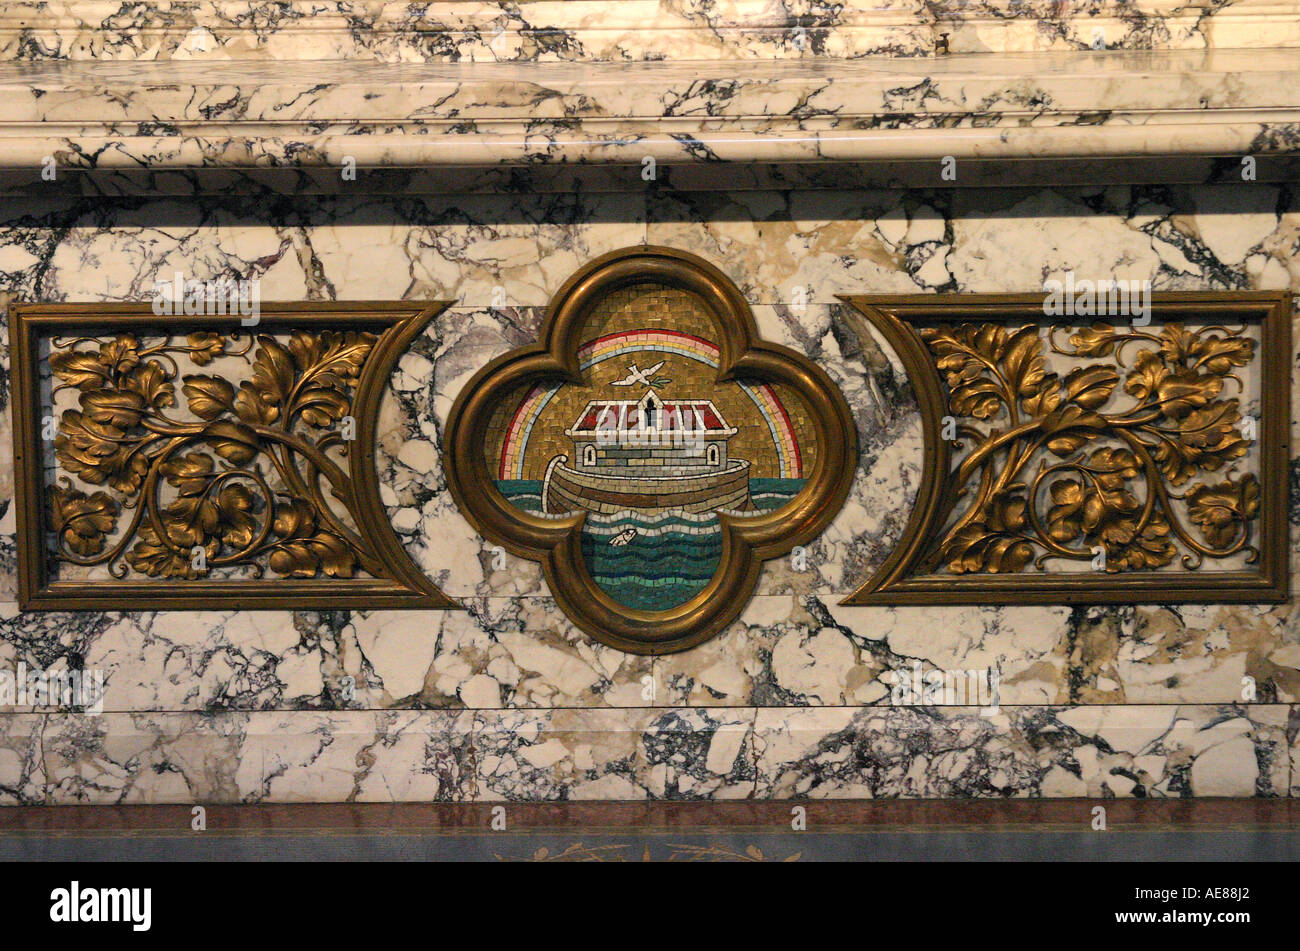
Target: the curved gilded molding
(1164, 490)
(555, 541)
(267, 474)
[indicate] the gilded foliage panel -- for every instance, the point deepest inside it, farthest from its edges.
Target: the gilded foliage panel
(1104, 462)
(205, 463)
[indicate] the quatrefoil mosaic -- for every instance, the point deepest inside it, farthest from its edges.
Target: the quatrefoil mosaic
(650, 451)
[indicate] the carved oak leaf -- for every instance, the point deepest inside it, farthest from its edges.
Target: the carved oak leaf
(303, 558)
(995, 542)
(1174, 394)
(1103, 509)
(294, 518)
(200, 519)
(958, 350)
(1205, 439)
(1213, 353)
(1010, 512)
(273, 372)
(1065, 517)
(82, 521)
(96, 453)
(348, 351)
(969, 352)
(1219, 354)
(121, 354)
(236, 524)
(122, 409)
(976, 548)
(79, 369)
(980, 398)
(1045, 398)
(306, 350)
(1221, 511)
(1095, 341)
(153, 385)
(1021, 361)
(322, 406)
(1151, 548)
(191, 520)
(342, 352)
(1070, 427)
(151, 557)
(1178, 345)
(1177, 461)
(302, 550)
(1108, 515)
(1091, 386)
(1112, 466)
(190, 473)
(208, 396)
(205, 346)
(964, 354)
(1213, 428)
(252, 407)
(233, 442)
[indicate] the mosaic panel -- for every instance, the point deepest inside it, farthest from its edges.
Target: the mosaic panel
(666, 437)
(651, 447)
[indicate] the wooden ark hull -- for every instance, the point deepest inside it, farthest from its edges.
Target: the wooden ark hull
(568, 490)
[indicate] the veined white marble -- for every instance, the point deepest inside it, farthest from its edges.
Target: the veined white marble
(640, 754)
(506, 701)
(546, 30)
(240, 114)
(794, 646)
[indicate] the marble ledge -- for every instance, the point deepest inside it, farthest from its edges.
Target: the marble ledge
(595, 30)
(317, 114)
(764, 754)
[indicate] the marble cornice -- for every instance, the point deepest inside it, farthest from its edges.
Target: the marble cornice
(596, 30)
(318, 114)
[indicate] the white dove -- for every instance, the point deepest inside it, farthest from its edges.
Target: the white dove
(636, 375)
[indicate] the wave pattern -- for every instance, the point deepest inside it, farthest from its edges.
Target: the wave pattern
(654, 562)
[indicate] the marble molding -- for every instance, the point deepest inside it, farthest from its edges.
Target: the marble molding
(543, 30)
(113, 116)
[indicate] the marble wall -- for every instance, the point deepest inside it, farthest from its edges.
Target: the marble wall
(506, 700)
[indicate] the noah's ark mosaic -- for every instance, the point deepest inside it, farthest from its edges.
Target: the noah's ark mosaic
(668, 447)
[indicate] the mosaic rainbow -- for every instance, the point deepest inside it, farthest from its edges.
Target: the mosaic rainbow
(513, 449)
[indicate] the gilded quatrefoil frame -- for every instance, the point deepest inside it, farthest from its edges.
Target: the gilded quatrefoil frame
(554, 542)
(947, 341)
(336, 360)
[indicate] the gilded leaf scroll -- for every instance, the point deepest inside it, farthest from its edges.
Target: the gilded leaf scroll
(285, 418)
(1102, 463)
(1071, 470)
(236, 462)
